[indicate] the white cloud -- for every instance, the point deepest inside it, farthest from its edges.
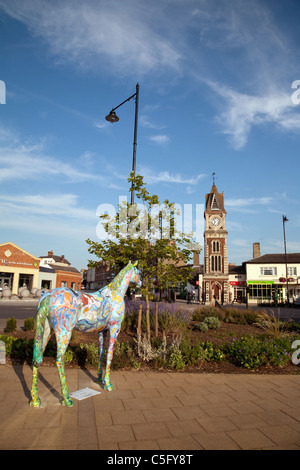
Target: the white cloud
(56, 205)
(30, 161)
(48, 214)
(160, 139)
(248, 205)
(117, 35)
(145, 121)
(242, 112)
(245, 202)
(167, 177)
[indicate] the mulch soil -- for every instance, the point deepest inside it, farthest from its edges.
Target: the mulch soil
(225, 333)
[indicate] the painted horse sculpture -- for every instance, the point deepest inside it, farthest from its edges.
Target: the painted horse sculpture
(64, 309)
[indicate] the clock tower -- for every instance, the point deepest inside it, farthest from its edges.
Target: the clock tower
(215, 278)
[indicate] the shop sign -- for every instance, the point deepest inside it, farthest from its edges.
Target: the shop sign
(260, 282)
(19, 263)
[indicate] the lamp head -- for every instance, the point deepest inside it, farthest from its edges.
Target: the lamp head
(112, 117)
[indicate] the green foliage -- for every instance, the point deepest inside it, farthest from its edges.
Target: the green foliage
(29, 324)
(201, 351)
(252, 352)
(9, 341)
(203, 327)
(171, 323)
(86, 353)
(176, 360)
(69, 355)
(124, 356)
(22, 349)
(213, 323)
(245, 352)
(11, 325)
(208, 311)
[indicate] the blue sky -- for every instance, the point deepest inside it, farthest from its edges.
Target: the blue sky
(215, 96)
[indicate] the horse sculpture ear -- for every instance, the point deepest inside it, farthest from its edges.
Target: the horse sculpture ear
(135, 264)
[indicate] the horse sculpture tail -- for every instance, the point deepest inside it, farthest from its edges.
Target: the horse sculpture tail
(40, 336)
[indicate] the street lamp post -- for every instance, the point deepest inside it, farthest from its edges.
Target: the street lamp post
(285, 219)
(112, 117)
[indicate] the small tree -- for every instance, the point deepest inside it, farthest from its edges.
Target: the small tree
(146, 231)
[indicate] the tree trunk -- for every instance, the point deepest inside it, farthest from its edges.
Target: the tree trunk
(147, 309)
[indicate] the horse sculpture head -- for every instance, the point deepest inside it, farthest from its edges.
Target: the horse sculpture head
(136, 275)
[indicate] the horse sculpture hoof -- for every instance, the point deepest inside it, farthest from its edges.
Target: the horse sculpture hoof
(67, 402)
(36, 403)
(108, 387)
(105, 385)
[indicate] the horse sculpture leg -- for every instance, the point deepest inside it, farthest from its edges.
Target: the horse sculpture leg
(41, 340)
(62, 344)
(113, 334)
(101, 354)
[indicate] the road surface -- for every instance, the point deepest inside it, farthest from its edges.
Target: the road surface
(23, 309)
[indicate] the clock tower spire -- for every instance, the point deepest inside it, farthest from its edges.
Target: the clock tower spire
(215, 279)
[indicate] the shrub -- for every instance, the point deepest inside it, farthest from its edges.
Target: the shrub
(176, 360)
(123, 356)
(22, 348)
(29, 324)
(201, 326)
(246, 352)
(233, 315)
(201, 351)
(171, 323)
(69, 355)
(8, 340)
(209, 311)
(271, 324)
(11, 324)
(278, 351)
(213, 323)
(86, 353)
(251, 352)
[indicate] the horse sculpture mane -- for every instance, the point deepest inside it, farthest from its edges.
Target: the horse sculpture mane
(64, 309)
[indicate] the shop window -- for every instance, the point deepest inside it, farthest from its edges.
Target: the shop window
(6, 280)
(46, 284)
(25, 280)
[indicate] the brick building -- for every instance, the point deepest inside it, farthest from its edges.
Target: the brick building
(18, 268)
(56, 271)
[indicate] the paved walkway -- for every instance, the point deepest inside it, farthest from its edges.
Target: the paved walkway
(151, 411)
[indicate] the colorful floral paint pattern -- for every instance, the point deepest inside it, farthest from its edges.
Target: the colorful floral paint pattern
(64, 309)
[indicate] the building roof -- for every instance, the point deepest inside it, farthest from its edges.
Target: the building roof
(214, 199)
(68, 269)
(19, 248)
(56, 267)
(275, 258)
(236, 269)
(57, 259)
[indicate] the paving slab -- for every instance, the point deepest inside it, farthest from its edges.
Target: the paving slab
(153, 411)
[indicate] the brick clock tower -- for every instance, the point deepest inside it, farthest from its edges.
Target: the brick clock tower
(215, 278)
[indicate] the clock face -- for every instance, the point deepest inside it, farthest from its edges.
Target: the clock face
(215, 221)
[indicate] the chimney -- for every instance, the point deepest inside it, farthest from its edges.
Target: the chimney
(195, 258)
(50, 253)
(256, 250)
(62, 259)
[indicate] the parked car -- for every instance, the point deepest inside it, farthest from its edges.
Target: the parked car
(297, 301)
